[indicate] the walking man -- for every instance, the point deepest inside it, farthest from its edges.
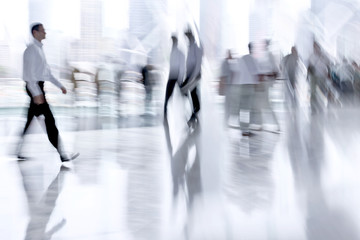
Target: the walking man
(193, 74)
(35, 72)
(176, 71)
(246, 76)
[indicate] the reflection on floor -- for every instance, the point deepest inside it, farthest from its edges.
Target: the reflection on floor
(208, 182)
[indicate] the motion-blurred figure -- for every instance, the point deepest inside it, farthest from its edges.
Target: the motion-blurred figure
(356, 79)
(35, 72)
(193, 74)
(345, 73)
(317, 75)
(245, 78)
(225, 83)
(147, 74)
(290, 68)
(269, 69)
(176, 72)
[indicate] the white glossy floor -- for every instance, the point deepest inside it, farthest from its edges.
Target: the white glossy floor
(300, 184)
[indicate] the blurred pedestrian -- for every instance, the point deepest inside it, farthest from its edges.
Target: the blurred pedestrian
(176, 71)
(193, 75)
(246, 77)
(290, 67)
(317, 75)
(35, 72)
(269, 69)
(225, 83)
(148, 79)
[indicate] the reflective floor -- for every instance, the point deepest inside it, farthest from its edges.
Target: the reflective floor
(167, 181)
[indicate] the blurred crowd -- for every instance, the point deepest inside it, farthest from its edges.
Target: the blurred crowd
(245, 81)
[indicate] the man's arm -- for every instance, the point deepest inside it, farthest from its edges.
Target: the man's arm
(54, 80)
(197, 70)
(29, 61)
(274, 66)
(182, 67)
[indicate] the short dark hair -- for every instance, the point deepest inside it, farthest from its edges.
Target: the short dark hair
(35, 27)
(188, 32)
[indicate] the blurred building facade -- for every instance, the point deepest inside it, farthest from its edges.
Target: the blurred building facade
(222, 24)
(87, 48)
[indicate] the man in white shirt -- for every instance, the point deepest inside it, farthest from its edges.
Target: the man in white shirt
(176, 71)
(245, 77)
(35, 72)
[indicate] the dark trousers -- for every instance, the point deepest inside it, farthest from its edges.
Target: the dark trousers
(43, 109)
(195, 99)
(169, 91)
(194, 95)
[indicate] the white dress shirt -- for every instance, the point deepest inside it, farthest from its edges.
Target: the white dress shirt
(268, 65)
(36, 69)
(177, 65)
(245, 70)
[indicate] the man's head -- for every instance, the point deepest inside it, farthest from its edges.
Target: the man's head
(174, 40)
(250, 46)
(189, 35)
(38, 31)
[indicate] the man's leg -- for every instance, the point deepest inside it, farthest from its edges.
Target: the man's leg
(195, 100)
(196, 107)
(234, 105)
(169, 90)
(247, 92)
(51, 129)
(53, 134)
(267, 105)
(227, 102)
(30, 116)
(259, 97)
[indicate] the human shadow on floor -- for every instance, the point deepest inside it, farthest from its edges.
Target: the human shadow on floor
(185, 164)
(40, 210)
(306, 147)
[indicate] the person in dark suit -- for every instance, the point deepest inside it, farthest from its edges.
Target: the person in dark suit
(176, 71)
(193, 74)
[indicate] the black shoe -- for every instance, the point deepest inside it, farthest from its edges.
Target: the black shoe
(65, 158)
(193, 121)
(21, 158)
(246, 133)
